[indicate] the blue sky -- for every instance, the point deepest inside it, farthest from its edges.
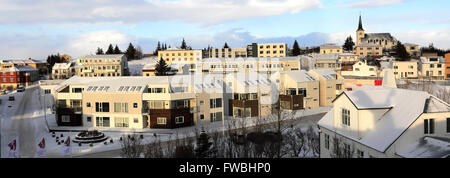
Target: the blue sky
(31, 29)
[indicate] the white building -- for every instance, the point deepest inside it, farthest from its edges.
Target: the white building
(381, 122)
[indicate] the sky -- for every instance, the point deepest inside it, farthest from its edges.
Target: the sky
(38, 28)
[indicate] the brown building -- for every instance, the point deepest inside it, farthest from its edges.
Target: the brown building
(447, 66)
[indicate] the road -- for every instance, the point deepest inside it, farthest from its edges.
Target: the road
(302, 122)
(23, 120)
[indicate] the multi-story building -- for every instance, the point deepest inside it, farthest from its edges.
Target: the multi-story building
(382, 122)
(432, 67)
(299, 83)
(368, 49)
(180, 56)
(329, 85)
(412, 49)
(327, 61)
(267, 50)
(261, 65)
(383, 40)
(362, 69)
(103, 65)
(63, 70)
(12, 76)
(405, 69)
(133, 102)
(447, 66)
(328, 48)
(226, 52)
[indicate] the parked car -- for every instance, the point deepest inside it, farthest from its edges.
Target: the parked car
(11, 98)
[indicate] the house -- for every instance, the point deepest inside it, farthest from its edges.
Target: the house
(347, 60)
(361, 69)
(327, 61)
(63, 70)
(405, 69)
(175, 55)
(368, 49)
(102, 65)
(12, 76)
(382, 122)
(328, 48)
(301, 82)
(432, 67)
(329, 85)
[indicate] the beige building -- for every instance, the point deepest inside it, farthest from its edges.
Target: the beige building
(267, 50)
(347, 60)
(329, 85)
(327, 61)
(102, 65)
(432, 67)
(405, 69)
(301, 83)
(363, 50)
(362, 69)
(412, 49)
(261, 65)
(381, 122)
(227, 52)
(330, 48)
(63, 71)
(180, 56)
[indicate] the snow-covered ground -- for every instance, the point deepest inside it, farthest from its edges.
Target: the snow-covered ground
(136, 66)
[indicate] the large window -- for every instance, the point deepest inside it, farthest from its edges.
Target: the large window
(347, 151)
(121, 107)
(216, 116)
(327, 141)
(65, 118)
(121, 121)
(101, 107)
(346, 117)
(360, 154)
(102, 121)
(429, 126)
(215, 103)
(179, 120)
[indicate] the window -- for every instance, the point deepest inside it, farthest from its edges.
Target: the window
(88, 104)
(216, 116)
(65, 118)
(347, 152)
(47, 91)
(448, 125)
(121, 107)
(327, 141)
(429, 126)
(202, 116)
(135, 105)
(215, 103)
(345, 117)
(101, 107)
(360, 154)
(161, 121)
(136, 120)
(179, 120)
(121, 121)
(88, 119)
(102, 121)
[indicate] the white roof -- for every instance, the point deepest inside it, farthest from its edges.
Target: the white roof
(328, 74)
(427, 147)
(59, 66)
(331, 56)
(406, 106)
(300, 75)
(105, 56)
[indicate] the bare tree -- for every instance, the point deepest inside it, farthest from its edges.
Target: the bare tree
(131, 146)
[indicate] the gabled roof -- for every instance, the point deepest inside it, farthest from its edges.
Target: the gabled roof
(405, 107)
(300, 76)
(427, 147)
(378, 35)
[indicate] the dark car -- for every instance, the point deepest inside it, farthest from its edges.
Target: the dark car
(11, 98)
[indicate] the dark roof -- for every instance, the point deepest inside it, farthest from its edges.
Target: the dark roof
(360, 27)
(378, 35)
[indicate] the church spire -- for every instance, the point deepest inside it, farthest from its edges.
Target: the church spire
(360, 27)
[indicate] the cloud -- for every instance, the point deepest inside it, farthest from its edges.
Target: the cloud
(191, 11)
(440, 38)
(372, 3)
(82, 43)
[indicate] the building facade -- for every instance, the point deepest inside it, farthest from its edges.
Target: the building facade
(405, 69)
(432, 67)
(267, 50)
(447, 66)
(180, 56)
(330, 48)
(102, 66)
(368, 49)
(226, 52)
(63, 71)
(12, 77)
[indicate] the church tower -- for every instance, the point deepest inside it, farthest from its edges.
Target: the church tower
(359, 32)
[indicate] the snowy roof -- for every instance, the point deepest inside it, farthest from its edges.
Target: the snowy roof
(59, 66)
(21, 68)
(330, 46)
(378, 35)
(368, 45)
(405, 107)
(149, 67)
(104, 56)
(327, 74)
(434, 104)
(326, 56)
(300, 75)
(347, 54)
(427, 147)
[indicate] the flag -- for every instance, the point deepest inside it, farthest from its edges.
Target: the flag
(40, 150)
(67, 149)
(13, 148)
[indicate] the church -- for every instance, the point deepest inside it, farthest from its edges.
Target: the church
(386, 40)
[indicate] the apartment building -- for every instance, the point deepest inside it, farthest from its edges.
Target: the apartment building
(447, 66)
(267, 50)
(368, 49)
(226, 52)
(382, 122)
(41, 66)
(361, 69)
(329, 85)
(102, 65)
(180, 56)
(432, 67)
(132, 102)
(300, 86)
(262, 65)
(63, 70)
(327, 61)
(347, 60)
(330, 48)
(12, 76)
(405, 69)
